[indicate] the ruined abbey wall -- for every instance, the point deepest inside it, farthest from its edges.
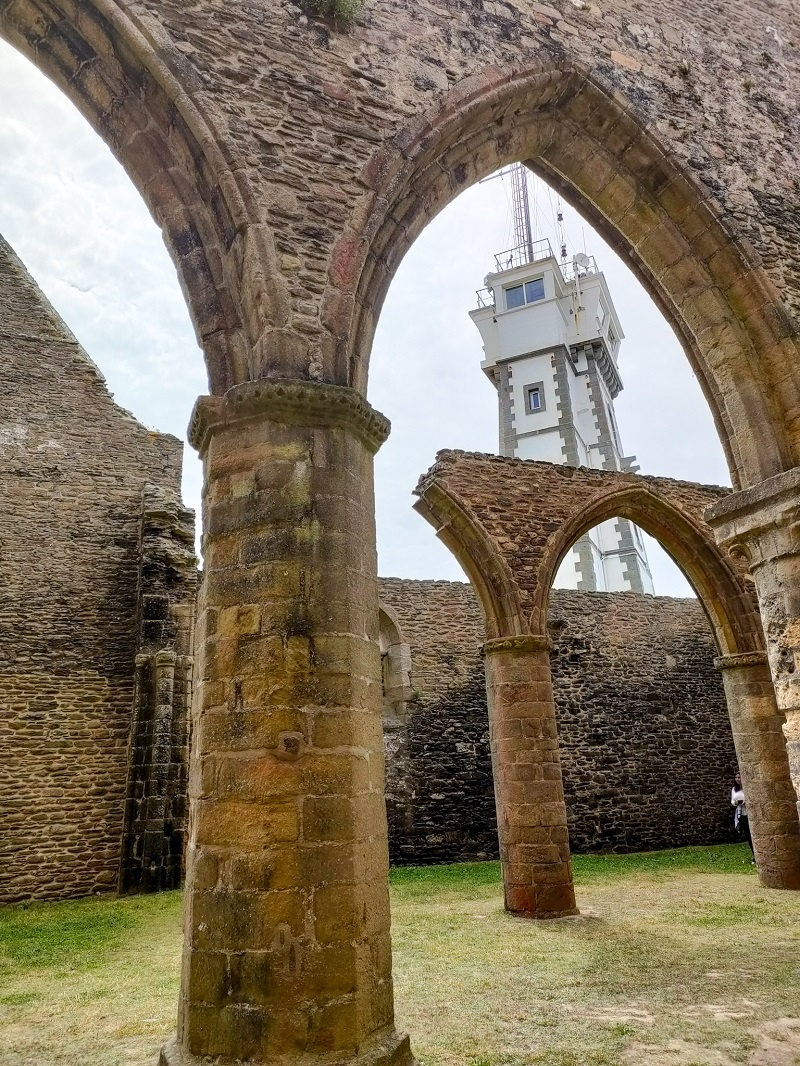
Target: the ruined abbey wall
(291, 165)
(646, 745)
(73, 467)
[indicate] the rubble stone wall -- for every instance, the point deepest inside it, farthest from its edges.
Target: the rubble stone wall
(73, 466)
(646, 745)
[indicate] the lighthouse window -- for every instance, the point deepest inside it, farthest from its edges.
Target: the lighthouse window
(519, 295)
(515, 297)
(534, 290)
(534, 398)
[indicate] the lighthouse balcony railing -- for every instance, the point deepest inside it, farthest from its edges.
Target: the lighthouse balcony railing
(573, 270)
(523, 254)
(536, 252)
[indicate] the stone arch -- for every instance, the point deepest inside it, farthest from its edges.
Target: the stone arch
(139, 93)
(461, 531)
(397, 691)
(514, 551)
(588, 141)
(390, 630)
(528, 514)
(724, 594)
(395, 660)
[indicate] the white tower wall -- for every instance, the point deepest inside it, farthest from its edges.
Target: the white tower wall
(550, 346)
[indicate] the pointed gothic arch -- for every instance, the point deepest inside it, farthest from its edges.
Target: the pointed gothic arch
(642, 198)
(725, 596)
(491, 577)
(547, 507)
(141, 95)
(526, 515)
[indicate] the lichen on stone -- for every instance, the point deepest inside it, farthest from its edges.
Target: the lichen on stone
(344, 12)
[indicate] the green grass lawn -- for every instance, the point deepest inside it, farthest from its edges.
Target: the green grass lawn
(679, 959)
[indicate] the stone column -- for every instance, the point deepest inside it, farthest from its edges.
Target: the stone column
(757, 724)
(179, 770)
(762, 526)
(130, 867)
(287, 955)
(531, 813)
(155, 843)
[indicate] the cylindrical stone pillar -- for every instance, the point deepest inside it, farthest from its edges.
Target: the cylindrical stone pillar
(531, 813)
(287, 954)
(758, 738)
(761, 526)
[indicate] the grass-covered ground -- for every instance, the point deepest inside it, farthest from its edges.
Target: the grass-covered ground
(679, 959)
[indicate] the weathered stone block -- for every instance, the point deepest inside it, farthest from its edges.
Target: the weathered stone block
(328, 818)
(248, 825)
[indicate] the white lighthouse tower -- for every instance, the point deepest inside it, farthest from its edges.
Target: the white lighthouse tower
(551, 338)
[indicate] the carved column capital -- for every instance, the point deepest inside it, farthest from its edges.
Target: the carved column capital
(518, 644)
(735, 662)
(761, 523)
(290, 402)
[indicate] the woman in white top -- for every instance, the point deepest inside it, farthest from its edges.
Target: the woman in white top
(741, 823)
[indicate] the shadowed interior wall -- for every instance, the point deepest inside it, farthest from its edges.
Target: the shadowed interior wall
(646, 746)
(155, 810)
(73, 466)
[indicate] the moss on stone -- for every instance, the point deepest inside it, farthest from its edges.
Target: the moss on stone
(345, 12)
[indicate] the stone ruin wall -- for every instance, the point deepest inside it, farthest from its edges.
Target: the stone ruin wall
(73, 467)
(98, 584)
(646, 745)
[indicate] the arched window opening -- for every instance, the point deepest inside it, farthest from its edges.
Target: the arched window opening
(395, 664)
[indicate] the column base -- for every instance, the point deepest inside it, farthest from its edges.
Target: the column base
(393, 1050)
(541, 903)
(780, 879)
(544, 916)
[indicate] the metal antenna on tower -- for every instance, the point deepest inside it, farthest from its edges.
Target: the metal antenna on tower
(562, 237)
(522, 209)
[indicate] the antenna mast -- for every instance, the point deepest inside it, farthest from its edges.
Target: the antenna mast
(562, 237)
(523, 232)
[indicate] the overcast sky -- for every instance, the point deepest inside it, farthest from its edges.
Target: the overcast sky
(80, 227)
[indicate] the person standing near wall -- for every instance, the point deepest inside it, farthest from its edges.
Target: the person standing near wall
(741, 822)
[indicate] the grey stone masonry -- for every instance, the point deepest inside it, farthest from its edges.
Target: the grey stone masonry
(641, 716)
